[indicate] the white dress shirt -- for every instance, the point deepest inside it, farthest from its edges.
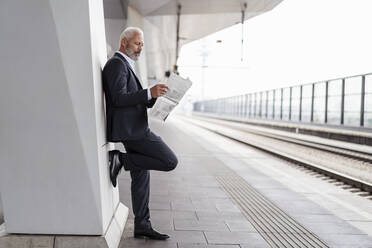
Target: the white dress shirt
(132, 64)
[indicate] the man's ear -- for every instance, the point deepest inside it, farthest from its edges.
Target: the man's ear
(124, 42)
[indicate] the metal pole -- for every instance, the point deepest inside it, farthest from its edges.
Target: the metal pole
(256, 107)
(290, 103)
(326, 104)
(342, 101)
(267, 104)
(281, 103)
(260, 107)
(274, 92)
(300, 110)
(362, 94)
(244, 7)
(250, 105)
(175, 69)
(312, 103)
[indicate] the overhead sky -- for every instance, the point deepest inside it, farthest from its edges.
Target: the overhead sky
(299, 41)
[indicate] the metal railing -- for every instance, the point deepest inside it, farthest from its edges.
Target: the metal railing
(345, 101)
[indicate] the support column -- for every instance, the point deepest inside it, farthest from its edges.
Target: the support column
(54, 169)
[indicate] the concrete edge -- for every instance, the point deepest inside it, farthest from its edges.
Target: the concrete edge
(111, 239)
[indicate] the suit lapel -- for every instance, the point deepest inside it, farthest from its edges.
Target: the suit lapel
(137, 79)
(130, 68)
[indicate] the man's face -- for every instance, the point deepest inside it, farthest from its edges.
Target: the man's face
(133, 47)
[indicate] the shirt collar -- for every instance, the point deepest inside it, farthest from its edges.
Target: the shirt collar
(130, 61)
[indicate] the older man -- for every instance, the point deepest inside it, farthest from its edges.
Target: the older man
(127, 122)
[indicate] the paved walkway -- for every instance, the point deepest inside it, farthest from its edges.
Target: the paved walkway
(192, 207)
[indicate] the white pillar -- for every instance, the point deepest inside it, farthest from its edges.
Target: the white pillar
(53, 157)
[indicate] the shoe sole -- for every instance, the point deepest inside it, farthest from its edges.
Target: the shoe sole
(145, 237)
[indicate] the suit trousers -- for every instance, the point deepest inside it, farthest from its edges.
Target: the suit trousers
(142, 155)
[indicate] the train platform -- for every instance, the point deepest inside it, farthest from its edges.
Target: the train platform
(226, 194)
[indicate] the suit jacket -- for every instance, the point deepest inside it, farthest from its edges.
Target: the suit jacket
(126, 101)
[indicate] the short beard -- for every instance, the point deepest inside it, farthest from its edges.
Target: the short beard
(131, 54)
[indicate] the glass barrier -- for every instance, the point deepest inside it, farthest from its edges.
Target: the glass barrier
(352, 104)
(307, 92)
(241, 106)
(237, 105)
(252, 102)
(233, 106)
(286, 103)
(295, 105)
(334, 101)
(259, 104)
(338, 100)
(319, 102)
(245, 104)
(270, 105)
(277, 103)
(250, 105)
(263, 104)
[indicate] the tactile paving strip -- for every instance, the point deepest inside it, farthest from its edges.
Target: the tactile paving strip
(273, 224)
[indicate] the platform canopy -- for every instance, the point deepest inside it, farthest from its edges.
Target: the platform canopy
(203, 17)
(198, 18)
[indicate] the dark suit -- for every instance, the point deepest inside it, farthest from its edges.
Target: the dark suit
(127, 122)
(126, 101)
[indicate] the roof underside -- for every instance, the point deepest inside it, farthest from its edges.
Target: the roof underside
(198, 18)
(202, 17)
(192, 7)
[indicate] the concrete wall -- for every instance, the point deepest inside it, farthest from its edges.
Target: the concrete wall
(113, 27)
(161, 44)
(52, 142)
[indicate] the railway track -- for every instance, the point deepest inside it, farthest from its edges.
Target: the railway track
(351, 165)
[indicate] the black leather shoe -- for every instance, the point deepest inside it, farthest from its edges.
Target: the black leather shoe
(150, 234)
(114, 165)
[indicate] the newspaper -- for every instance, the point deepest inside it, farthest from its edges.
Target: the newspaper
(177, 87)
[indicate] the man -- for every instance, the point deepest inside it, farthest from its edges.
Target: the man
(126, 113)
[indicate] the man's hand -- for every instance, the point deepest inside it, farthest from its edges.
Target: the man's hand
(158, 90)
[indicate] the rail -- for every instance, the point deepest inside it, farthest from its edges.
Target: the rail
(349, 164)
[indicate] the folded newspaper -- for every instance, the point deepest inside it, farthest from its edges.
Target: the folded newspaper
(177, 87)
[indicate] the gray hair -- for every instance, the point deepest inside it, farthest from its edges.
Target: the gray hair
(129, 32)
